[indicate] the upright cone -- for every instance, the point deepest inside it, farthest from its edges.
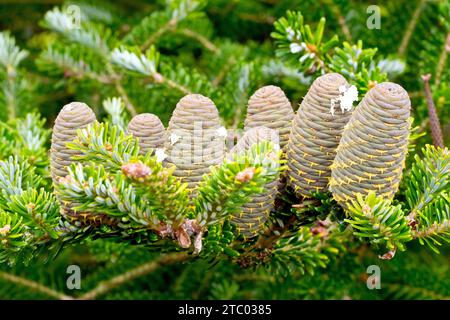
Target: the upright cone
(195, 138)
(255, 213)
(73, 116)
(150, 131)
(315, 135)
(268, 107)
(372, 152)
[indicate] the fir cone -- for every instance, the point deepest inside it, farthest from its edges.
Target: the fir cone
(255, 213)
(269, 107)
(195, 139)
(73, 116)
(149, 130)
(373, 147)
(315, 135)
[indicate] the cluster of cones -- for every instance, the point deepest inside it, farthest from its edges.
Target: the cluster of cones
(345, 151)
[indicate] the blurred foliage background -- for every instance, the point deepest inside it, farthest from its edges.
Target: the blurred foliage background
(225, 51)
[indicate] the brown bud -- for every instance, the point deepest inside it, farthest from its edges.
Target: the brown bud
(198, 243)
(320, 230)
(366, 209)
(245, 175)
(5, 229)
(158, 78)
(31, 206)
(426, 77)
(388, 255)
(136, 170)
(164, 230)
(412, 223)
(192, 226)
(65, 179)
(183, 238)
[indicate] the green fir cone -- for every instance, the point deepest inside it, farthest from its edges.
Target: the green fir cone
(73, 116)
(315, 134)
(150, 131)
(195, 138)
(269, 107)
(255, 213)
(372, 152)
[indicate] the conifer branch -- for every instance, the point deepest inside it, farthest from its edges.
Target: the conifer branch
(236, 180)
(311, 54)
(10, 93)
(406, 291)
(410, 28)
(200, 38)
(145, 65)
(35, 286)
(116, 113)
(432, 230)
(380, 222)
(95, 40)
(264, 19)
(172, 84)
(162, 30)
(222, 72)
(160, 23)
(130, 275)
(54, 61)
(121, 90)
(341, 19)
(435, 170)
(10, 58)
(442, 60)
(128, 104)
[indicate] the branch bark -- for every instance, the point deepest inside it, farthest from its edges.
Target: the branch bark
(121, 90)
(201, 39)
(435, 126)
(155, 36)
